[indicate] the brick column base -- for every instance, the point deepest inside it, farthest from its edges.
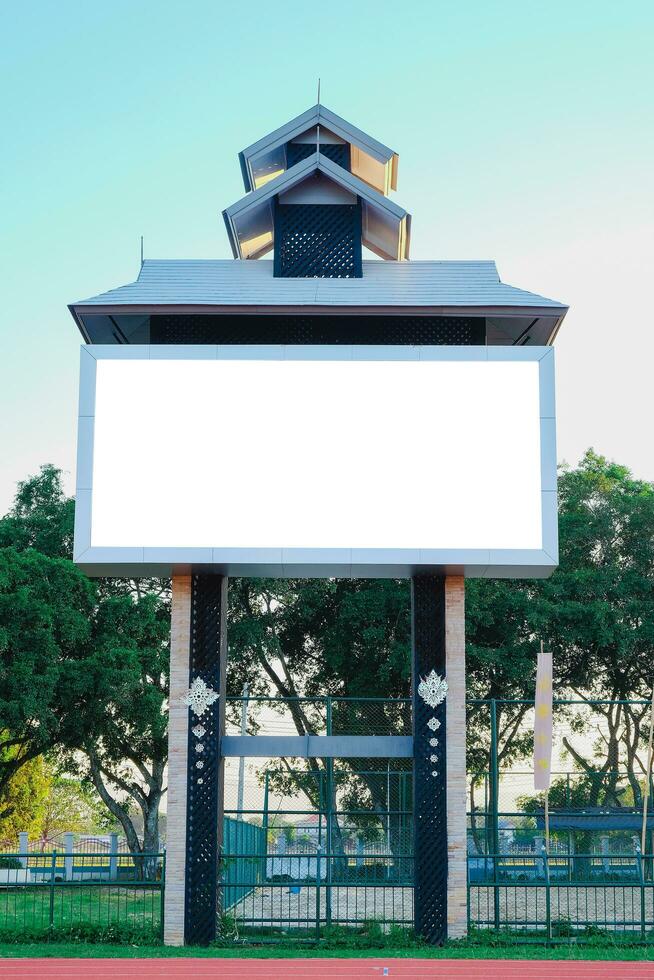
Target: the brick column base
(457, 898)
(180, 639)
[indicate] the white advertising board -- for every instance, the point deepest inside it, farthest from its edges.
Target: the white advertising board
(325, 461)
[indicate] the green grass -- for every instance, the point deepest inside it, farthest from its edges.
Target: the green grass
(76, 909)
(460, 950)
(110, 921)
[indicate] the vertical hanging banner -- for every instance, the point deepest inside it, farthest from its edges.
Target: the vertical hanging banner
(543, 722)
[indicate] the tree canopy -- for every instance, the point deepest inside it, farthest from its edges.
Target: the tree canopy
(45, 620)
(83, 664)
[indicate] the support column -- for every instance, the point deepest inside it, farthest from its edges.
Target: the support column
(205, 768)
(178, 716)
(195, 767)
(440, 824)
(429, 757)
(457, 823)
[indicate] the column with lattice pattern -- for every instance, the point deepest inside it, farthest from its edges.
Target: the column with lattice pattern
(438, 649)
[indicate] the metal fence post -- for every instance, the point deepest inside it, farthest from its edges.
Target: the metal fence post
(264, 827)
(53, 868)
(641, 878)
(494, 788)
(318, 879)
(548, 894)
(330, 817)
(24, 848)
(163, 891)
(113, 857)
(69, 845)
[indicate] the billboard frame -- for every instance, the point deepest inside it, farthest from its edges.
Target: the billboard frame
(326, 562)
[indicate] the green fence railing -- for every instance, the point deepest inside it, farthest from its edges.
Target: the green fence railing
(244, 846)
(565, 896)
(61, 894)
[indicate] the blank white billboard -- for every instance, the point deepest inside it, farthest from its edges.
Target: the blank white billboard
(316, 461)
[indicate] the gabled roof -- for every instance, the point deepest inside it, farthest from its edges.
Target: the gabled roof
(373, 162)
(228, 285)
(250, 225)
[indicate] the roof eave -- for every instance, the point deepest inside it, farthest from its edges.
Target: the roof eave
(245, 171)
(444, 309)
(75, 313)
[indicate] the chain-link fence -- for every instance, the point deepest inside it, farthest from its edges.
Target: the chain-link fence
(311, 846)
(598, 786)
(588, 875)
(338, 833)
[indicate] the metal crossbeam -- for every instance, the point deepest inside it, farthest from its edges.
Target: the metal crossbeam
(319, 746)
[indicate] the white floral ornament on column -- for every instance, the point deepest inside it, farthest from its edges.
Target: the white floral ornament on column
(200, 696)
(433, 690)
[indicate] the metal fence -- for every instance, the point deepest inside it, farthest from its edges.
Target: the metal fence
(598, 778)
(338, 833)
(557, 901)
(60, 894)
(106, 894)
(593, 879)
(314, 846)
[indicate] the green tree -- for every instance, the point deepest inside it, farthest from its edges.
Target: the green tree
(117, 717)
(308, 638)
(596, 613)
(352, 638)
(26, 798)
(42, 517)
(599, 611)
(46, 606)
(72, 805)
(101, 690)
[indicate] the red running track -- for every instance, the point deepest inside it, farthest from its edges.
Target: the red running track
(310, 969)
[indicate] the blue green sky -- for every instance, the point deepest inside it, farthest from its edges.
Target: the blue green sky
(524, 131)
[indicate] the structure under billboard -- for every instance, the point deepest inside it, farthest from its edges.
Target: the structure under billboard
(438, 366)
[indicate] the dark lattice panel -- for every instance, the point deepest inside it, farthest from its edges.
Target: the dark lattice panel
(205, 772)
(430, 804)
(336, 152)
(278, 329)
(320, 241)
